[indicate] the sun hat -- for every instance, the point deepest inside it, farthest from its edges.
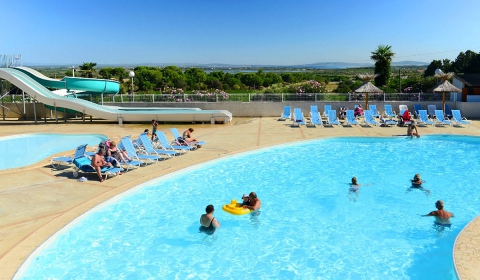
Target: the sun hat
(245, 195)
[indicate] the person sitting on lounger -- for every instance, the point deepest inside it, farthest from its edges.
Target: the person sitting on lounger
(412, 130)
(118, 154)
(98, 162)
(187, 136)
(358, 111)
(442, 217)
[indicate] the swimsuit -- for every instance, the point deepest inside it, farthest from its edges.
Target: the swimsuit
(208, 230)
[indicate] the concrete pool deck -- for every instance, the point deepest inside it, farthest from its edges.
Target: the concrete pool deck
(36, 201)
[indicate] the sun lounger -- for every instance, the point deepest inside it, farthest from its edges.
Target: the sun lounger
(66, 160)
(168, 147)
(127, 145)
(286, 114)
(423, 118)
(416, 108)
(148, 147)
(194, 145)
(332, 118)
(315, 118)
(389, 112)
(350, 118)
(457, 118)
(298, 118)
(441, 119)
(431, 110)
(326, 108)
(368, 118)
(84, 164)
(373, 108)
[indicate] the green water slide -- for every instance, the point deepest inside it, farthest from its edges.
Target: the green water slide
(92, 86)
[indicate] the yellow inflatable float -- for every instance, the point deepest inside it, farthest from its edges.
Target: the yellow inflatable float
(235, 208)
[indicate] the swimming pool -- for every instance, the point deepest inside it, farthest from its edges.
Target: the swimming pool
(308, 228)
(25, 149)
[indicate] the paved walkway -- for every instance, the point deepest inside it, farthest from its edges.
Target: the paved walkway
(36, 201)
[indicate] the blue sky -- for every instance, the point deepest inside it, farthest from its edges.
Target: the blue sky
(236, 32)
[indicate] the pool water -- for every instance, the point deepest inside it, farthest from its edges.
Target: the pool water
(309, 227)
(22, 150)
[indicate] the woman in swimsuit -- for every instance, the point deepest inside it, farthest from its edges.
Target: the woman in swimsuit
(417, 184)
(412, 130)
(208, 221)
(113, 151)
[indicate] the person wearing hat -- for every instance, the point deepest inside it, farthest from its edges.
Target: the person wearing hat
(442, 217)
(246, 199)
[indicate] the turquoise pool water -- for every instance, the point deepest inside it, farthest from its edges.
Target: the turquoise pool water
(308, 228)
(25, 149)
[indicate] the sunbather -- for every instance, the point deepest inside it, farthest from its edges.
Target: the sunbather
(187, 136)
(98, 163)
(118, 154)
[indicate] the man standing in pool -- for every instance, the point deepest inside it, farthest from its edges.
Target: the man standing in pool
(442, 217)
(255, 203)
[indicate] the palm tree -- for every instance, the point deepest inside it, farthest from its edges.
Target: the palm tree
(382, 57)
(88, 69)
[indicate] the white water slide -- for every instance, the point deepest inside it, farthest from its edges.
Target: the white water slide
(40, 93)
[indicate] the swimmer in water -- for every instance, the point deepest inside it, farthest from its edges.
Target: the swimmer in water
(354, 190)
(442, 217)
(417, 184)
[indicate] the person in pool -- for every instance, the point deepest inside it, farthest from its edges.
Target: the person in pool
(255, 203)
(417, 184)
(246, 199)
(412, 130)
(354, 189)
(442, 217)
(208, 222)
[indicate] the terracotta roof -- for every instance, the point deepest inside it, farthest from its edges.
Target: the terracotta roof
(469, 79)
(444, 86)
(368, 87)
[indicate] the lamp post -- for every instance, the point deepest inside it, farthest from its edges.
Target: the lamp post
(131, 74)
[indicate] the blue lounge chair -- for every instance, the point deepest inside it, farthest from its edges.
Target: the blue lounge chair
(148, 147)
(298, 118)
(194, 145)
(416, 108)
(326, 108)
(171, 148)
(448, 112)
(423, 118)
(368, 118)
(431, 110)
(84, 164)
(287, 113)
(127, 145)
(441, 119)
(373, 108)
(332, 118)
(389, 112)
(66, 160)
(457, 118)
(315, 118)
(351, 120)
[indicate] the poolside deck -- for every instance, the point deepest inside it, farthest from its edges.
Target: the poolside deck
(37, 201)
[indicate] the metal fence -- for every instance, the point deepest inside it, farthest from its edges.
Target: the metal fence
(253, 97)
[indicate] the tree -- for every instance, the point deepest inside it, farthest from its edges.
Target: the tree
(88, 69)
(382, 57)
(465, 63)
(195, 77)
(434, 65)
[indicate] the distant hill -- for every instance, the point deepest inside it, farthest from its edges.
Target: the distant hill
(318, 65)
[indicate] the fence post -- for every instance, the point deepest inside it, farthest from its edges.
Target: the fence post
(349, 97)
(315, 97)
(419, 97)
(384, 97)
(153, 98)
(282, 96)
(249, 97)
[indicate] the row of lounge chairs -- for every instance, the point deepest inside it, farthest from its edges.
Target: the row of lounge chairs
(141, 151)
(436, 117)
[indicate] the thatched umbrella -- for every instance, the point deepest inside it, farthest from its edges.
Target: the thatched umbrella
(367, 86)
(444, 86)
